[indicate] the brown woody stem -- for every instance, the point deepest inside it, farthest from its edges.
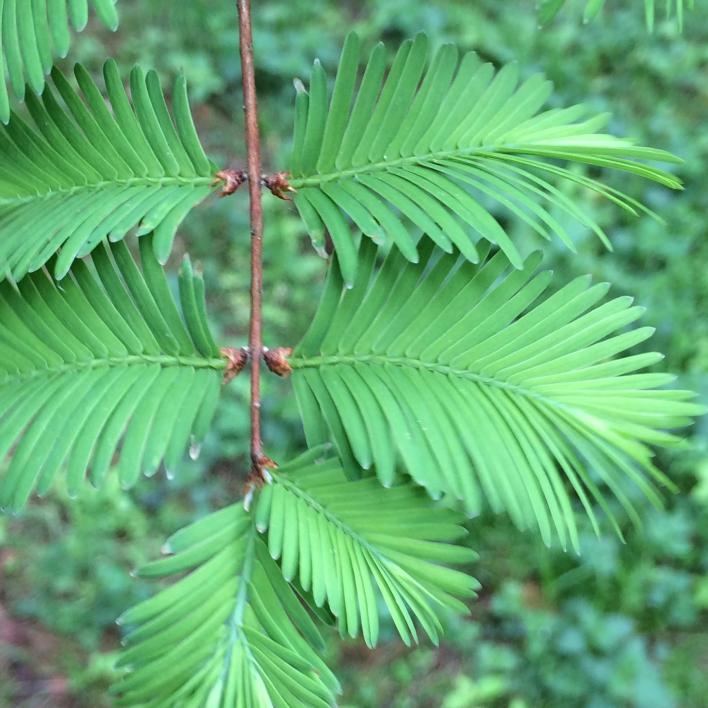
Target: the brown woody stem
(255, 338)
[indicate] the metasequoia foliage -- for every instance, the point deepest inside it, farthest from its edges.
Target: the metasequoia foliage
(443, 370)
(116, 163)
(432, 138)
(548, 9)
(33, 33)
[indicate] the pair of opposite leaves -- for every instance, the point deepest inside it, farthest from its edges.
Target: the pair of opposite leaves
(421, 143)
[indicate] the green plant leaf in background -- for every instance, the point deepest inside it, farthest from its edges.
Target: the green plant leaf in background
(482, 384)
(101, 357)
(83, 173)
(426, 143)
(233, 632)
(548, 9)
(356, 546)
(33, 33)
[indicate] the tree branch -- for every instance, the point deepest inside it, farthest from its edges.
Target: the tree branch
(255, 339)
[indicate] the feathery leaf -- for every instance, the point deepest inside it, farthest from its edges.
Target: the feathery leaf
(427, 142)
(548, 9)
(103, 355)
(35, 32)
(84, 172)
(482, 384)
(229, 634)
(234, 631)
(355, 546)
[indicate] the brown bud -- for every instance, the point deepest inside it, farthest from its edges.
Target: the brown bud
(258, 477)
(277, 360)
(262, 462)
(232, 180)
(278, 184)
(236, 359)
(259, 471)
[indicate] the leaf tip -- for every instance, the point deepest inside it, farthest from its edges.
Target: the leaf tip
(195, 450)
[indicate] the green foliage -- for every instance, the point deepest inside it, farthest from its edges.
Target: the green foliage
(88, 577)
(102, 357)
(34, 33)
(232, 633)
(571, 660)
(429, 144)
(401, 367)
(352, 545)
(640, 605)
(548, 9)
(116, 170)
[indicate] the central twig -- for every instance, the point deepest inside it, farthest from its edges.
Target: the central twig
(255, 339)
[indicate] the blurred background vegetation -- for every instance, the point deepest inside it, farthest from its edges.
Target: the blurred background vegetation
(624, 625)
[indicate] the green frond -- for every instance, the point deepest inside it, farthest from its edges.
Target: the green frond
(90, 169)
(229, 634)
(356, 546)
(103, 355)
(233, 632)
(428, 142)
(482, 384)
(548, 9)
(35, 32)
